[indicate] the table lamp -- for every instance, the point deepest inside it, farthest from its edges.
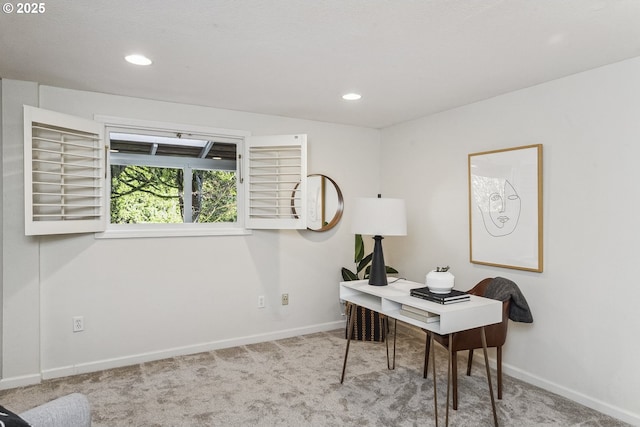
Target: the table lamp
(379, 217)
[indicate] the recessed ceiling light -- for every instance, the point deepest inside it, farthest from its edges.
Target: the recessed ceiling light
(138, 59)
(351, 96)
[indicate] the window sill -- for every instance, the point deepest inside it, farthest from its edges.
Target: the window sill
(168, 230)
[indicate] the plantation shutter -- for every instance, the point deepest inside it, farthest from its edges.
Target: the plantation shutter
(276, 175)
(64, 173)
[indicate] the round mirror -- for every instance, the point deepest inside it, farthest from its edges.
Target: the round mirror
(324, 203)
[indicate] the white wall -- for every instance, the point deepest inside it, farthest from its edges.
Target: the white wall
(583, 342)
(150, 298)
(20, 255)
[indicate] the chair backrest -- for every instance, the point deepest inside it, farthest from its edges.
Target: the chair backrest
(481, 287)
(497, 333)
(500, 329)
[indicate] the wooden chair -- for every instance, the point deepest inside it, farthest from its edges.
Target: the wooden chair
(470, 339)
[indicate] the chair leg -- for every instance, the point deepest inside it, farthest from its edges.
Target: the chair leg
(499, 371)
(454, 379)
(498, 368)
(427, 347)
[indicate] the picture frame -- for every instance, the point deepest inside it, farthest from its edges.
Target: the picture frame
(505, 208)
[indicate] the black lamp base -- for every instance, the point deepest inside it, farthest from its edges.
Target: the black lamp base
(378, 273)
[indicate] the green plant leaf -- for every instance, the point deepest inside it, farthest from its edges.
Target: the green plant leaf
(359, 249)
(364, 262)
(348, 275)
(389, 270)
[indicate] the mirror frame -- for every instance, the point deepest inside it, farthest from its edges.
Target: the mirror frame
(339, 209)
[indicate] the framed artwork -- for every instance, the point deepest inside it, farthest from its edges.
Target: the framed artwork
(505, 208)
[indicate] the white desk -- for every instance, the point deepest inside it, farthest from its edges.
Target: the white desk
(387, 300)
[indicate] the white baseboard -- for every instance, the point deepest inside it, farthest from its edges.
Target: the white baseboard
(590, 402)
(20, 381)
(135, 359)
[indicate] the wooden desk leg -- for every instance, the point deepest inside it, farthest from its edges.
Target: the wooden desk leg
(385, 327)
(395, 334)
(486, 363)
(446, 418)
(351, 309)
(433, 366)
(391, 365)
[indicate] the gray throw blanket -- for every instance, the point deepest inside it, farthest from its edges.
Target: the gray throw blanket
(504, 289)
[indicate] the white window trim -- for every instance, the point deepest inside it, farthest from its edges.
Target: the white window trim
(128, 231)
(149, 125)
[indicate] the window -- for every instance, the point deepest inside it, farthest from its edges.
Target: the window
(164, 179)
(151, 179)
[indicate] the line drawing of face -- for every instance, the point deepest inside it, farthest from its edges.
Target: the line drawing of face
(502, 212)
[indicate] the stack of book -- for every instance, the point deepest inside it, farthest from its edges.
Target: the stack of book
(418, 314)
(448, 298)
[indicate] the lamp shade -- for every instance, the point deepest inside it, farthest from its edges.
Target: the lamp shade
(379, 217)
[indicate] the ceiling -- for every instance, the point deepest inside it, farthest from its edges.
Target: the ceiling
(295, 58)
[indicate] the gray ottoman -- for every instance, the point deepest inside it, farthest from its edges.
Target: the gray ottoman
(72, 410)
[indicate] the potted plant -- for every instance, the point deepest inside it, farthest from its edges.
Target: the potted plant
(362, 262)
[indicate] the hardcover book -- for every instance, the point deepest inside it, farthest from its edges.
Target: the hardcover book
(419, 311)
(448, 298)
(421, 317)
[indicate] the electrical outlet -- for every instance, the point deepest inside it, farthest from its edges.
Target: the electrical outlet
(285, 299)
(78, 324)
(261, 301)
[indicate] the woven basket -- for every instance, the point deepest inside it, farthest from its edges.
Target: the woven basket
(368, 325)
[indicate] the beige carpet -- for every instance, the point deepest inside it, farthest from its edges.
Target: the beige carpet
(296, 382)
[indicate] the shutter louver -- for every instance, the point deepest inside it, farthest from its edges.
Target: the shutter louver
(64, 174)
(276, 192)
